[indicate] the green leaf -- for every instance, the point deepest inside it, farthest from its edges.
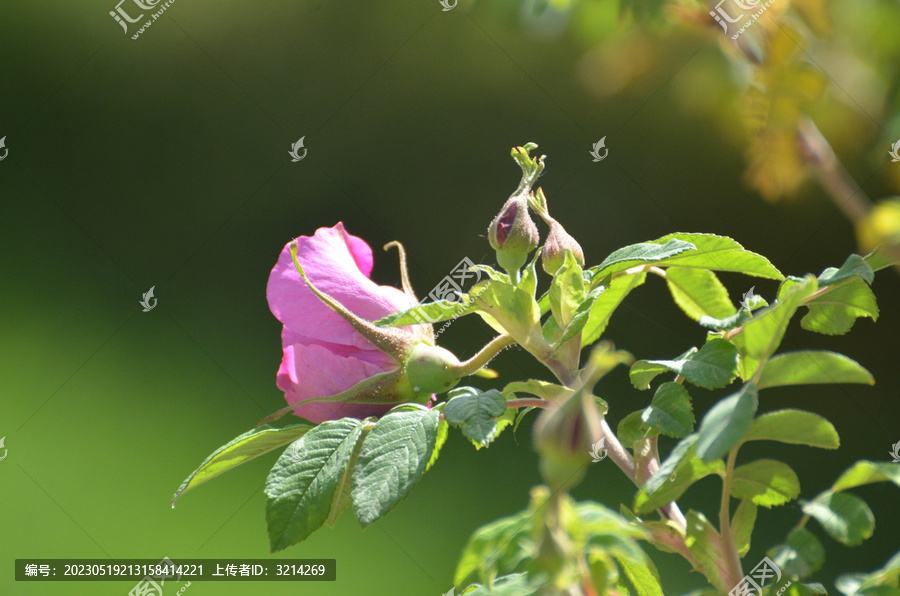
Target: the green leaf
(635, 254)
(541, 389)
(845, 517)
(870, 584)
(854, 266)
(476, 413)
(511, 311)
(393, 457)
(632, 429)
(301, 487)
(430, 312)
(742, 525)
(699, 293)
(443, 430)
(664, 486)
(240, 450)
(566, 291)
(799, 589)
(682, 450)
(670, 411)
(643, 372)
(867, 472)
(719, 253)
(713, 366)
(801, 556)
(725, 423)
(606, 303)
(342, 494)
(581, 316)
(643, 576)
(762, 335)
(516, 584)
(497, 548)
(880, 258)
(796, 427)
(810, 367)
(766, 482)
(835, 312)
(705, 544)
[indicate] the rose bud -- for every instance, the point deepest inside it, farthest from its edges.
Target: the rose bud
(513, 234)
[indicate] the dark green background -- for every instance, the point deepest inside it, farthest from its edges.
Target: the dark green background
(163, 162)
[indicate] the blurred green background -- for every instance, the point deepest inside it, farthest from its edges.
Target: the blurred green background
(163, 162)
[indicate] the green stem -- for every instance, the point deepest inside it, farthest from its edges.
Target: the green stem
(733, 560)
(487, 353)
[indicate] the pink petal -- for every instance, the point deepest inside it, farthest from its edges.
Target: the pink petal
(338, 264)
(315, 371)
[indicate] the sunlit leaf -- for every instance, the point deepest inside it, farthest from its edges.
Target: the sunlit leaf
(809, 367)
(767, 482)
(796, 427)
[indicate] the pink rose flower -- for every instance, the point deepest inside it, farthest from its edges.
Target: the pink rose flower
(323, 354)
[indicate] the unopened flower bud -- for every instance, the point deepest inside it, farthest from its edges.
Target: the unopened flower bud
(431, 369)
(564, 435)
(555, 247)
(513, 234)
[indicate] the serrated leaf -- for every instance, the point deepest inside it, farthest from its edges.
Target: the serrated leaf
(643, 372)
(670, 411)
(796, 427)
(800, 556)
(476, 413)
(635, 254)
(810, 367)
(713, 366)
(835, 312)
(762, 335)
(664, 486)
(393, 457)
(767, 482)
(698, 292)
(705, 544)
(566, 290)
(632, 429)
(643, 576)
(867, 472)
(606, 303)
(854, 266)
(302, 485)
(880, 258)
(443, 431)
(742, 525)
(241, 449)
(511, 311)
(344, 488)
(430, 312)
(725, 423)
(719, 253)
(845, 517)
(581, 316)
